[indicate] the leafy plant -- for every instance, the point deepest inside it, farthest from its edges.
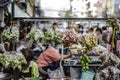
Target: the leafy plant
(57, 37)
(48, 37)
(34, 78)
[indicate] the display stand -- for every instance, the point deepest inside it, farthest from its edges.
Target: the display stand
(94, 65)
(63, 19)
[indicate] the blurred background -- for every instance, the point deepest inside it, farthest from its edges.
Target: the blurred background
(70, 8)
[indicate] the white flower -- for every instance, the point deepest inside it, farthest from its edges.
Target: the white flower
(35, 35)
(12, 36)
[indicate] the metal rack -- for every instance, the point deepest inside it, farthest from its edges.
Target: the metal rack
(63, 19)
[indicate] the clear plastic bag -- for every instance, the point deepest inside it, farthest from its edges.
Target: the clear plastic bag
(57, 73)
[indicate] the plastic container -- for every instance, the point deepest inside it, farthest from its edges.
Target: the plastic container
(88, 75)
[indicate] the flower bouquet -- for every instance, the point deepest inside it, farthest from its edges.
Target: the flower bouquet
(35, 36)
(89, 41)
(48, 38)
(69, 37)
(57, 38)
(11, 36)
(12, 60)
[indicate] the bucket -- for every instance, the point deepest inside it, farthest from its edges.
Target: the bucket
(88, 75)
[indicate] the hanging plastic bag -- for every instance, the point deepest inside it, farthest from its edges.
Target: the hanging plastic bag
(57, 73)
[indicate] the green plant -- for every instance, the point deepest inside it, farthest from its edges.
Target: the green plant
(34, 78)
(48, 37)
(57, 37)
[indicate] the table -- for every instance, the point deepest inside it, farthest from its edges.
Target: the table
(74, 71)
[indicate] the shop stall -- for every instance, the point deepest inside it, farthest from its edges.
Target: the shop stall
(84, 52)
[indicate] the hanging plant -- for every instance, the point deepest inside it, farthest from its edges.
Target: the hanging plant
(89, 41)
(48, 38)
(11, 36)
(35, 36)
(57, 38)
(12, 60)
(69, 37)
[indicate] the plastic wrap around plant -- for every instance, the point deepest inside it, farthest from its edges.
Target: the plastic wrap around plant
(11, 35)
(12, 60)
(35, 36)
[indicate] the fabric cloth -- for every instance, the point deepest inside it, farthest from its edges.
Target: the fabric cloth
(118, 45)
(109, 48)
(2, 47)
(34, 71)
(100, 38)
(51, 54)
(20, 48)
